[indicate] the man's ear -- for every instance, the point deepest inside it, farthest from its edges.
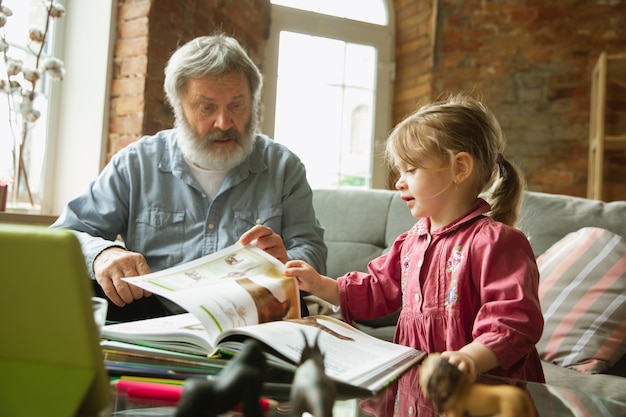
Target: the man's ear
(463, 166)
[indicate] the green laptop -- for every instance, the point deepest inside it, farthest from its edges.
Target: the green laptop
(50, 358)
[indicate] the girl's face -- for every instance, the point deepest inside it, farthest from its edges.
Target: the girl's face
(426, 190)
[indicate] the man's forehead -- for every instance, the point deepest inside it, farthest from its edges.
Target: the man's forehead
(234, 78)
(230, 85)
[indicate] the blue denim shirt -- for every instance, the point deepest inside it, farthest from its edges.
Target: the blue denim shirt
(148, 196)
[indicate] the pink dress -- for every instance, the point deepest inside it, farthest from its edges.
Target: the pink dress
(474, 280)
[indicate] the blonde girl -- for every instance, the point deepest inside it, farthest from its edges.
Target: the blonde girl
(463, 277)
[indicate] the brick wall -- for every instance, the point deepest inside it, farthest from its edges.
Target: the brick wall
(529, 59)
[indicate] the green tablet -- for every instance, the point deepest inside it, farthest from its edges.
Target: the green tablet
(50, 358)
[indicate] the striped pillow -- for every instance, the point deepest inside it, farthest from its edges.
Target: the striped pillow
(583, 298)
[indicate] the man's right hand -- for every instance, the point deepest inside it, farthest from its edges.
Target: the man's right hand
(115, 263)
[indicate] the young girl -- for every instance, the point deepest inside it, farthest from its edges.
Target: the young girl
(465, 279)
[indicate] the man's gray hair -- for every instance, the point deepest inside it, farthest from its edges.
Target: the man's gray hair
(209, 55)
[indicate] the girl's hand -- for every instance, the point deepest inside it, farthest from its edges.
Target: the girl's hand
(463, 362)
(304, 273)
(310, 281)
(472, 359)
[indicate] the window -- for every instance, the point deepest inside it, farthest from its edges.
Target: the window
(22, 158)
(371, 11)
(332, 88)
(70, 148)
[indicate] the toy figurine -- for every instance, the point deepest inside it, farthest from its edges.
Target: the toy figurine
(312, 390)
(241, 381)
(452, 393)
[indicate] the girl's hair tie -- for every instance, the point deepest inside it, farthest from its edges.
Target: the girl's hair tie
(500, 159)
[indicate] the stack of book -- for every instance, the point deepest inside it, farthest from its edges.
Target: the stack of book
(237, 294)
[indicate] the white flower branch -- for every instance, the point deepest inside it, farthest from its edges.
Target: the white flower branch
(20, 84)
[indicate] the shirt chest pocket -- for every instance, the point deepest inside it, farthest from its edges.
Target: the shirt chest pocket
(159, 219)
(160, 235)
(271, 217)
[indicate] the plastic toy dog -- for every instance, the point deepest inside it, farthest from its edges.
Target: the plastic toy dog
(241, 381)
(312, 390)
(451, 392)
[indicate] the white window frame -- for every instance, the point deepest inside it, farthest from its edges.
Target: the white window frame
(78, 133)
(316, 24)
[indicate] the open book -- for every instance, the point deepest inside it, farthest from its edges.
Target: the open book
(351, 356)
(234, 287)
(241, 293)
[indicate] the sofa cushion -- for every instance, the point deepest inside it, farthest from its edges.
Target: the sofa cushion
(546, 218)
(360, 225)
(583, 298)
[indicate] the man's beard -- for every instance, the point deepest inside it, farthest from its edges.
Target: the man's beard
(214, 158)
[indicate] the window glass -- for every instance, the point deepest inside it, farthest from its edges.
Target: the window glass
(371, 11)
(26, 173)
(331, 83)
(328, 84)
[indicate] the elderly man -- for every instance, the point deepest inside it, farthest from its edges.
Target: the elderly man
(189, 191)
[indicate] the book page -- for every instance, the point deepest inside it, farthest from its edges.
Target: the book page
(235, 287)
(178, 333)
(351, 356)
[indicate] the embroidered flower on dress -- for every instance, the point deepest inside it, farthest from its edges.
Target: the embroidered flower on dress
(452, 296)
(452, 267)
(406, 263)
(454, 261)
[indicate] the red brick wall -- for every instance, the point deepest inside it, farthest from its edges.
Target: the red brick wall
(529, 59)
(415, 23)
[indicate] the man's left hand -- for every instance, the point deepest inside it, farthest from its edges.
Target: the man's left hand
(266, 239)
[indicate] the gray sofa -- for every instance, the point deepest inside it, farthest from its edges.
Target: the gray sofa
(362, 224)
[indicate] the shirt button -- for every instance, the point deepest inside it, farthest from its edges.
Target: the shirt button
(410, 410)
(419, 263)
(211, 226)
(258, 221)
(417, 297)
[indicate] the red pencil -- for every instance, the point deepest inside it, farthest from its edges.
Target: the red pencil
(166, 393)
(148, 390)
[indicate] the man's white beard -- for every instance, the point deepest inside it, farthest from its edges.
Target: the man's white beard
(198, 150)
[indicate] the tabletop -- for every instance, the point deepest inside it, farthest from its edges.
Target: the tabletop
(549, 401)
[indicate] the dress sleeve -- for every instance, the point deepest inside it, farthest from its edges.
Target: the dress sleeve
(366, 296)
(509, 321)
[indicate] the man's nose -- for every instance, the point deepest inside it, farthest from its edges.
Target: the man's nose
(223, 120)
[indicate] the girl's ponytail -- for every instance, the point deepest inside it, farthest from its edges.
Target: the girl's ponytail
(506, 192)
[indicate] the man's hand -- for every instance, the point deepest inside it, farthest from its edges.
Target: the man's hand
(264, 238)
(115, 263)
